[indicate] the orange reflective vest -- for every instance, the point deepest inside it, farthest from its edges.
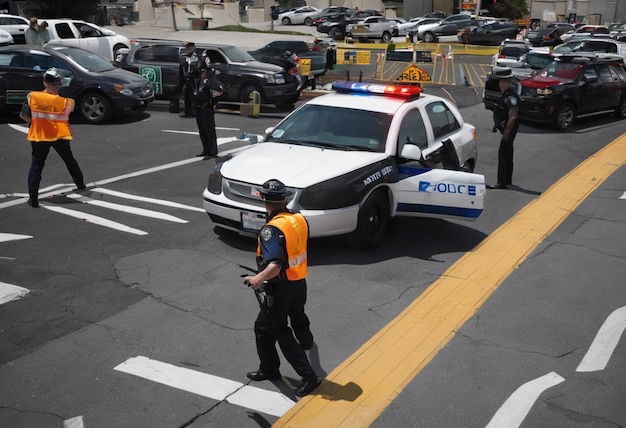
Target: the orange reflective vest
(296, 231)
(50, 115)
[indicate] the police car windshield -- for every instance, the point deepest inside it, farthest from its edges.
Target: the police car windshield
(334, 128)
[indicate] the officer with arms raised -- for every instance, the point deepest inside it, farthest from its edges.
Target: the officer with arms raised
(48, 114)
(505, 117)
(282, 271)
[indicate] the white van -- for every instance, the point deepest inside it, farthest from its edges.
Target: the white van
(74, 32)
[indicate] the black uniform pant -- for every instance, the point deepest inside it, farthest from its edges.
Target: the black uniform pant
(505, 160)
(205, 118)
(271, 327)
(40, 152)
(190, 97)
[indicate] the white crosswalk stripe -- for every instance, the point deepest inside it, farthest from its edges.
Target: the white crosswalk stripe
(126, 208)
(206, 385)
(10, 292)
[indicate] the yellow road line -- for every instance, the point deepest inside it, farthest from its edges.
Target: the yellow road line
(360, 388)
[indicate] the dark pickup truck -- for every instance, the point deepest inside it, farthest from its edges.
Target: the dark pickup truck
(241, 74)
(321, 55)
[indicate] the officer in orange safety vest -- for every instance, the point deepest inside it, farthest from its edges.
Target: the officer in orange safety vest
(282, 271)
(48, 114)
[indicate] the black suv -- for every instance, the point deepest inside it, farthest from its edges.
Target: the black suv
(573, 85)
(240, 73)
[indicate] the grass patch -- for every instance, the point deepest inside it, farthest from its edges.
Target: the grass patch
(242, 29)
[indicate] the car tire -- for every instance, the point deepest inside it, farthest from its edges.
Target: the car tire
(95, 108)
(336, 34)
(117, 48)
(428, 37)
(286, 21)
(308, 21)
(386, 37)
(620, 110)
(244, 96)
(565, 116)
(372, 222)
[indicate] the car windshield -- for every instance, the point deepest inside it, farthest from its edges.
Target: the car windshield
(538, 60)
(235, 54)
(562, 70)
(89, 60)
(335, 128)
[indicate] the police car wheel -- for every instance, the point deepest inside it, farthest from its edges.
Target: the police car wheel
(565, 116)
(372, 223)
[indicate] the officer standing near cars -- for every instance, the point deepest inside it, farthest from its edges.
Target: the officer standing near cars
(282, 270)
(506, 120)
(189, 74)
(48, 114)
(209, 90)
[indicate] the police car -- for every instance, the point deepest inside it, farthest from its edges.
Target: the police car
(354, 159)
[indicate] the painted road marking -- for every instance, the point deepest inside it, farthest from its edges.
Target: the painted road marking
(607, 338)
(623, 196)
(386, 363)
(126, 208)
(144, 199)
(10, 292)
(94, 219)
(206, 385)
(514, 410)
(76, 422)
(5, 237)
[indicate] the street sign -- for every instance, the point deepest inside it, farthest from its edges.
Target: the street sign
(414, 74)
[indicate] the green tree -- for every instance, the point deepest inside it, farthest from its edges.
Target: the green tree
(77, 9)
(512, 9)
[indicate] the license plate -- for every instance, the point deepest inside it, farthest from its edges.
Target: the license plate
(252, 221)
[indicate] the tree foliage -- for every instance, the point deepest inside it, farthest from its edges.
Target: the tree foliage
(513, 9)
(77, 9)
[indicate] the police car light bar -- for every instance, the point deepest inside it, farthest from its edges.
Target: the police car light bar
(398, 90)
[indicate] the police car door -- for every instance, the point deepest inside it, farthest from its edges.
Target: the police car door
(429, 183)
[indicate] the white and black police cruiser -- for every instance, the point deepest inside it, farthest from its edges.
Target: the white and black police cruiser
(354, 159)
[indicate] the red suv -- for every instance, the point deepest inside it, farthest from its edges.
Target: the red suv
(575, 85)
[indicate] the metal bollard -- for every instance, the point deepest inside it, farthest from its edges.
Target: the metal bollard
(255, 96)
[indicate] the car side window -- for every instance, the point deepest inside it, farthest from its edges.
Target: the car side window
(619, 71)
(605, 73)
(215, 56)
(64, 31)
(442, 119)
(412, 130)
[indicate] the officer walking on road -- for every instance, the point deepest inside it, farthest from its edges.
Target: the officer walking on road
(48, 114)
(505, 117)
(282, 271)
(189, 74)
(209, 89)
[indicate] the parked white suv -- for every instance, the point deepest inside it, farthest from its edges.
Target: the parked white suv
(15, 25)
(81, 34)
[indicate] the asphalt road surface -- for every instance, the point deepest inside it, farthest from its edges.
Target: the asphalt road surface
(132, 312)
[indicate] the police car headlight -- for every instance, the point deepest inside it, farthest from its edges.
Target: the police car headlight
(215, 182)
(544, 91)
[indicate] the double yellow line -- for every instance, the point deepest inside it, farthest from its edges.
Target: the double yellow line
(358, 390)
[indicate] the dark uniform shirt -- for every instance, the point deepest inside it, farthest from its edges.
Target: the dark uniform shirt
(507, 100)
(207, 91)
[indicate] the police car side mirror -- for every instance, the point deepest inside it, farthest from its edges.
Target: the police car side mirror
(411, 151)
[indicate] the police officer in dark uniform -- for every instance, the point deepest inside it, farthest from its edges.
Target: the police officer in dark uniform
(281, 277)
(505, 117)
(209, 90)
(189, 74)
